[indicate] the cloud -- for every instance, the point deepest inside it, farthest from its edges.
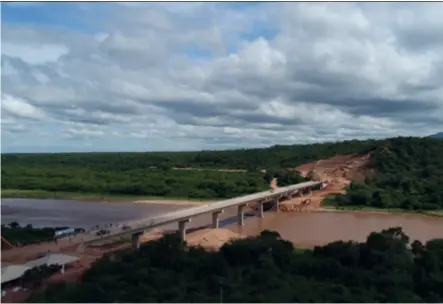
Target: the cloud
(34, 54)
(156, 76)
(20, 108)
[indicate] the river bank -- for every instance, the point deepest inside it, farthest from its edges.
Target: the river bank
(327, 205)
(99, 197)
(313, 228)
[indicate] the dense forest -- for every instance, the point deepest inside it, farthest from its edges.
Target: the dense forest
(264, 269)
(409, 175)
(152, 174)
(409, 172)
(150, 182)
(249, 159)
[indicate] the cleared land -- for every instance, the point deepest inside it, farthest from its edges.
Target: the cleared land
(339, 171)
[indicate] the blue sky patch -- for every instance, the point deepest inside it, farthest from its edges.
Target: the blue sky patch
(64, 15)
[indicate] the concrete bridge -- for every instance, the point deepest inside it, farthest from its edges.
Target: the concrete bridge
(183, 217)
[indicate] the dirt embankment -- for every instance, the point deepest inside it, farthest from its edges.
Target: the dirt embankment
(212, 239)
(338, 171)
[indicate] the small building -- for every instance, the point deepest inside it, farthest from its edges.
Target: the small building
(64, 233)
(12, 281)
(53, 259)
(11, 274)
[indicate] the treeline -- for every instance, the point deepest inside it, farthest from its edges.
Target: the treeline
(408, 172)
(151, 174)
(249, 159)
(409, 175)
(18, 235)
(136, 181)
(264, 269)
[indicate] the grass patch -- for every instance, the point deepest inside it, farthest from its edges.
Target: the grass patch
(42, 194)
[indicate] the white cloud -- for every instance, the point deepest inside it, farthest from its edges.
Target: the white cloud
(34, 54)
(20, 108)
(208, 75)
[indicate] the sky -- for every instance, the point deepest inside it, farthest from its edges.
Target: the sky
(204, 76)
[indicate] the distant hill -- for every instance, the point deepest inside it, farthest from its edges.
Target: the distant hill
(438, 135)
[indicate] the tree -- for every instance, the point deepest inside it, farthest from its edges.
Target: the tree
(263, 269)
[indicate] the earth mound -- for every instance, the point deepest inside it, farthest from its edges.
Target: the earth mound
(338, 171)
(211, 239)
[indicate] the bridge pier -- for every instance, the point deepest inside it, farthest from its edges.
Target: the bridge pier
(136, 240)
(216, 218)
(241, 215)
(182, 228)
(260, 210)
(277, 204)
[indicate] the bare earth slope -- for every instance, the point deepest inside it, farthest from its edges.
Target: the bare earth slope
(338, 171)
(212, 239)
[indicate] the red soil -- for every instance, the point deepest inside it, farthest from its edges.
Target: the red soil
(338, 171)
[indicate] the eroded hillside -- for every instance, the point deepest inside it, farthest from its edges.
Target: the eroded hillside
(339, 171)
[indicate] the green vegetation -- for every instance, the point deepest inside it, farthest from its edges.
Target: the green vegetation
(408, 173)
(43, 194)
(152, 174)
(17, 235)
(249, 159)
(264, 269)
(21, 173)
(409, 176)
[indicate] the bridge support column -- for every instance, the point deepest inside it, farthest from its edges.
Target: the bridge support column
(182, 228)
(216, 219)
(136, 240)
(241, 215)
(277, 204)
(309, 191)
(260, 210)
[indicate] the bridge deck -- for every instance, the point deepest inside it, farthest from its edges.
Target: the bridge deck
(175, 216)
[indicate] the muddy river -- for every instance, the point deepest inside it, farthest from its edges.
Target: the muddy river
(78, 214)
(304, 229)
(307, 229)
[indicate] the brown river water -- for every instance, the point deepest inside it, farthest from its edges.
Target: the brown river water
(304, 229)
